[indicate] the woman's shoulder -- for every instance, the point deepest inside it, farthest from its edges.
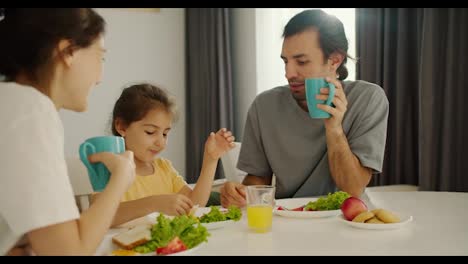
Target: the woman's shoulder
(24, 104)
(20, 98)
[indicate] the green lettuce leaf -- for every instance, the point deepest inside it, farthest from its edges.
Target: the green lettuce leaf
(332, 201)
(215, 215)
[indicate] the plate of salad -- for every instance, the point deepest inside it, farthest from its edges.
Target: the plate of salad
(177, 235)
(215, 217)
(321, 207)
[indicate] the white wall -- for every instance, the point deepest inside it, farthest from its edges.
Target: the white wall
(270, 24)
(142, 46)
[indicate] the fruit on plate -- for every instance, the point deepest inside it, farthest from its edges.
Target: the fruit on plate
(351, 207)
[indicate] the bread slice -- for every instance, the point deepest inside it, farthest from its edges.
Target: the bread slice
(133, 237)
(194, 210)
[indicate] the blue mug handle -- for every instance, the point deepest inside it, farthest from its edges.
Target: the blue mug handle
(84, 157)
(331, 94)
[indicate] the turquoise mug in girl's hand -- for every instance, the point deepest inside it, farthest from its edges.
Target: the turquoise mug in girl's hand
(312, 89)
(97, 172)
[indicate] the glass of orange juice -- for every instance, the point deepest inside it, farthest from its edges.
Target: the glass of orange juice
(260, 201)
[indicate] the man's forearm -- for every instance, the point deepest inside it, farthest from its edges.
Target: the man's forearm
(345, 168)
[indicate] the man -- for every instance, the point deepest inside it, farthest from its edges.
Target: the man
(312, 157)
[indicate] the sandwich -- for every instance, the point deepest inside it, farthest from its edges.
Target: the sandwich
(133, 237)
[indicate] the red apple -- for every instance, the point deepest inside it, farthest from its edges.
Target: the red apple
(351, 207)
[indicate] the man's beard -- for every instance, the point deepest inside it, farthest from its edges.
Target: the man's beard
(301, 100)
(299, 96)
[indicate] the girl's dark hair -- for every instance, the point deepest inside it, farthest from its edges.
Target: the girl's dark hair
(332, 37)
(137, 100)
(29, 36)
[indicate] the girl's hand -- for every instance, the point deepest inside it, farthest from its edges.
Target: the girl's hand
(173, 204)
(218, 144)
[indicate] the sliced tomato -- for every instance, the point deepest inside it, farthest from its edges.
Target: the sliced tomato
(301, 208)
(175, 245)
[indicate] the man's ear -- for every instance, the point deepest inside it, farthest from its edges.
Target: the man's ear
(335, 60)
(120, 127)
(65, 52)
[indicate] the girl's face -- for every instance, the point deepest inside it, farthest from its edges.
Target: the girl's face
(83, 71)
(148, 137)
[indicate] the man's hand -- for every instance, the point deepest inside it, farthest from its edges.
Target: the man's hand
(339, 100)
(233, 193)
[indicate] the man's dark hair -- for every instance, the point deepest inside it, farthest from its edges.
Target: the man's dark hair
(332, 37)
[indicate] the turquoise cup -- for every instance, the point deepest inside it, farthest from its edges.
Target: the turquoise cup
(312, 88)
(97, 172)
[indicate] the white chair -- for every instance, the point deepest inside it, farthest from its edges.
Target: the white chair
(231, 171)
(229, 161)
(80, 182)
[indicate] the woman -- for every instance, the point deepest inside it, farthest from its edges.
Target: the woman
(50, 59)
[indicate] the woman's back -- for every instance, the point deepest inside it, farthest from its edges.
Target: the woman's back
(33, 171)
(50, 59)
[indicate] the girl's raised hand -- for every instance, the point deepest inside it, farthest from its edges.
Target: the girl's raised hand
(219, 143)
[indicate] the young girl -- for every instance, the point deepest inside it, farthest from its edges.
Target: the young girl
(50, 59)
(144, 115)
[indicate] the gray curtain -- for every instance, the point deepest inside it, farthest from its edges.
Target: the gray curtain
(209, 94)
(419, 56)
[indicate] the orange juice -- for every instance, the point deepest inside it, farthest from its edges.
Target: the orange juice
(259, 217)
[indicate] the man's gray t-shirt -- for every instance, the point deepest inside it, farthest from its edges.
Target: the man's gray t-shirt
(281, 138)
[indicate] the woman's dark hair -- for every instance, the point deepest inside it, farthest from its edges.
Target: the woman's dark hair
(29, 36)
(332, 37)
(137, 100)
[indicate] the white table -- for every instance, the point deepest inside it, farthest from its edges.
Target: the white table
(440, 227)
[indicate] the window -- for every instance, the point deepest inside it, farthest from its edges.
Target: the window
(270, 24)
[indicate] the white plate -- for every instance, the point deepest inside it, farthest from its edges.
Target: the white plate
(204, 210)
(217, 225)
(181, 253)
(404, 220)
(296, 202)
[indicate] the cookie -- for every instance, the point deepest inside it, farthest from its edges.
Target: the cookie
(387, 216)
(362, 217)
(374, 220)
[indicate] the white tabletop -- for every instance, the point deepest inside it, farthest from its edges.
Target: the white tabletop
(439, 227)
